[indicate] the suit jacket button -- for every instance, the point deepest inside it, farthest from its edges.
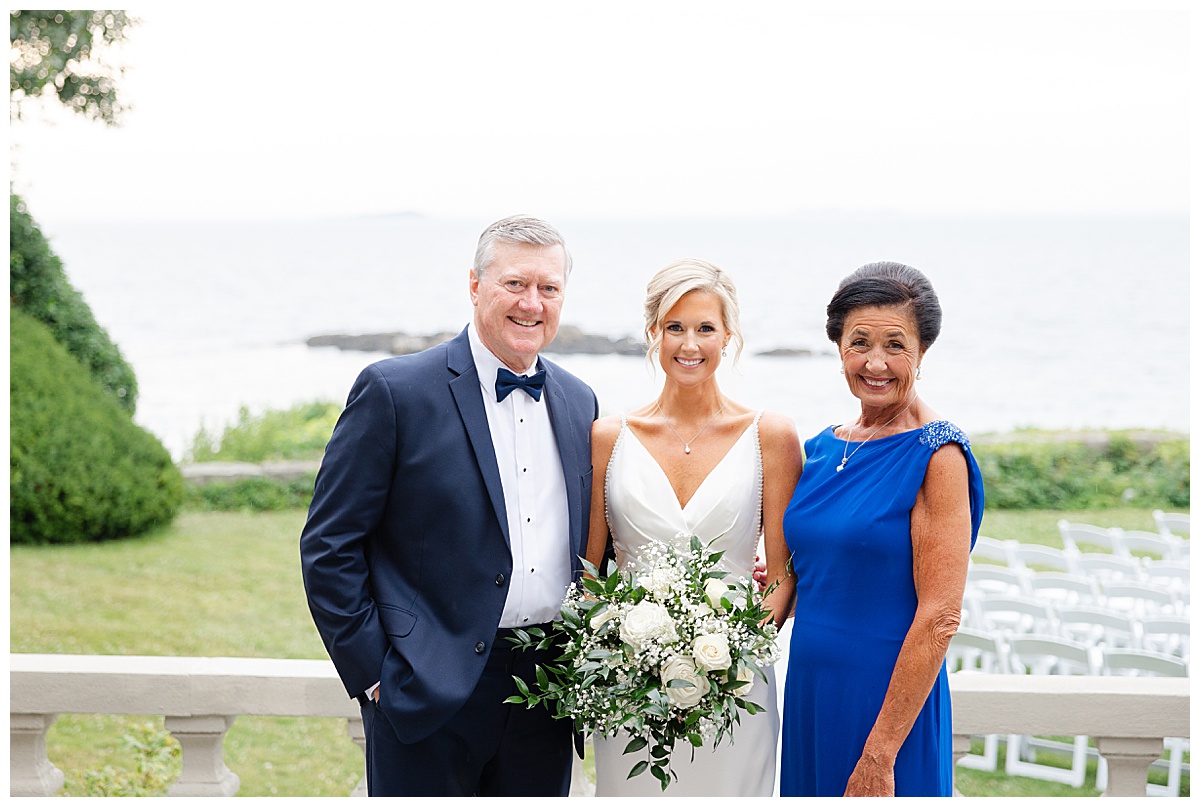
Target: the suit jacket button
(500, 579)
(480, 647)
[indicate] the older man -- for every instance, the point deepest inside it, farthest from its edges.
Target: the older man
(451, 507)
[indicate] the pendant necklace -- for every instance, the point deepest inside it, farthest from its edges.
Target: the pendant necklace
(687, 444)
(846, 448)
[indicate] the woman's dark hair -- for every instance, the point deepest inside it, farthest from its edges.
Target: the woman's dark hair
(882, 284)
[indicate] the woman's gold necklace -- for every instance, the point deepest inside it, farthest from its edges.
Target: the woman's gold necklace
(846, 448)
(687, 444)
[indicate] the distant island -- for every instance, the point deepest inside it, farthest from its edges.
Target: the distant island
(570, 340)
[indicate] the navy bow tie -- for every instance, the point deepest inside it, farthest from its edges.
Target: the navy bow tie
(507, 381)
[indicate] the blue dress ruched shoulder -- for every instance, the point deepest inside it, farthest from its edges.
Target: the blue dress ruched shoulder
(851, 546)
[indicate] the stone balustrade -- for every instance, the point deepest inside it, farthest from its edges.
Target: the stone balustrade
(201, 697)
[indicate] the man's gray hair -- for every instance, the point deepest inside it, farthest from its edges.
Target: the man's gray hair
(518, 230)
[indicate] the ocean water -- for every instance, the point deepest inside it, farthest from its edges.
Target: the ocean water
(1052, 323)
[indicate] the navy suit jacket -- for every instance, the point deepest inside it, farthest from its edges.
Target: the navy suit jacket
(405, 554)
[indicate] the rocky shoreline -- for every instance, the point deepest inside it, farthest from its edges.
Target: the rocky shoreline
(570, 340)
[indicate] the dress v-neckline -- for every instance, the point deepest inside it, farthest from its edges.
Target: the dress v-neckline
(674, 496)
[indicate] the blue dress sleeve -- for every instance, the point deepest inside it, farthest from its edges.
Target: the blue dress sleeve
(935, 435)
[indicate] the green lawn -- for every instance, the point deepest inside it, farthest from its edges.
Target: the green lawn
(228, 584)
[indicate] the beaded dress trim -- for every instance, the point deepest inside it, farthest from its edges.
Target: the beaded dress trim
(939, 432)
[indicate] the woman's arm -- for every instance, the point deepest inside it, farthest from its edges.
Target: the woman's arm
(782, 461)
(604, 437)
(941, 544)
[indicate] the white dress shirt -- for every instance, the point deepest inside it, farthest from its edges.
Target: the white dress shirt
(535, 495)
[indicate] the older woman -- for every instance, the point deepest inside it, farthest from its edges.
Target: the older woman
(880, 528)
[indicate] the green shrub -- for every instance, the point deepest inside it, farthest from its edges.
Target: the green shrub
(79, 469)
(1074, 474)
(298, 433)
(158, 763)
(38, 286)
(258, 495)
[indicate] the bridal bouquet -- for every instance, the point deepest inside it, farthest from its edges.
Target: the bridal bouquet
(663, 653)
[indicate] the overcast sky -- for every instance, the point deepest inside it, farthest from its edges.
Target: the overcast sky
(569, 109)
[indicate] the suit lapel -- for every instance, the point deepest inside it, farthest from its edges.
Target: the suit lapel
(468, 398)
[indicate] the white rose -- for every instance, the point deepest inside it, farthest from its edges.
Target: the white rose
(702, 610)
(646, 622)
(714, 590)
(745, 674)
(598, 619)
(684, 697)
(711, 652)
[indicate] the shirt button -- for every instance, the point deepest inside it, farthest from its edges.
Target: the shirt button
(480, 647)
(499, 579)
(526, 619)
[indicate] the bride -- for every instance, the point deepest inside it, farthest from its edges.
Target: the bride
(694, 461)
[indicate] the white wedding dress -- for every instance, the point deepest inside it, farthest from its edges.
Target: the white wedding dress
(641, 507)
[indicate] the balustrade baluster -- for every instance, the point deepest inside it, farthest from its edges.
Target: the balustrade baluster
(30, 772)
(1129, 760)
(202, 740)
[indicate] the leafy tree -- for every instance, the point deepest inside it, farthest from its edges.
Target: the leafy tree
(63, 53)
(38, 285)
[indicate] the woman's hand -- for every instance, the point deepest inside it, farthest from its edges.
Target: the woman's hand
(760, 574)
(872, 776)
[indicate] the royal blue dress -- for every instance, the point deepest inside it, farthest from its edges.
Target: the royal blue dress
(855, 600)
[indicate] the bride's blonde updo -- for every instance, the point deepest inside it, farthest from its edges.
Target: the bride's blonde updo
(672, 282)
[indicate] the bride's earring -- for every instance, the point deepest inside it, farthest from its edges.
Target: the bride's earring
(918, 372)
(843, 369)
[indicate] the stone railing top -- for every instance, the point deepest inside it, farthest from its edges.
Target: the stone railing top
(173, 685)
(1140, 706)
(176, 686)
(203, 473)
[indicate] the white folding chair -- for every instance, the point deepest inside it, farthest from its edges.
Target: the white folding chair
(1142, 543)
(1176, 528)
(1167, 573)
(1063, 589)
(1048, 655)
(1177, 524)
(991, 549)
(1169, 635)
(1013, 615)
(1036, 557)
(1139, 599)
(976, 651)
(1103, 566)
(972, 611)
(1098, 627)
(1145, 662)
(986, 579)
(1075, 534)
